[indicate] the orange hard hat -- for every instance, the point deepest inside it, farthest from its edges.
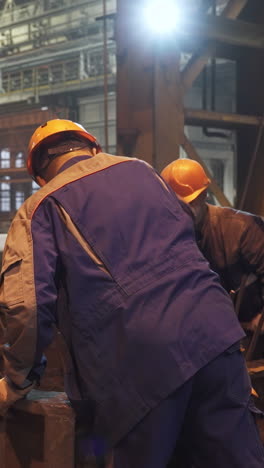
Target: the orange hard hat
(187, 178)
(55, 127)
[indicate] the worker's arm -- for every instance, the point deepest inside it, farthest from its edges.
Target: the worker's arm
(28, 295)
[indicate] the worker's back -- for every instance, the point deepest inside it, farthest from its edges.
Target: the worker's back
(143, 312)
(233, 241)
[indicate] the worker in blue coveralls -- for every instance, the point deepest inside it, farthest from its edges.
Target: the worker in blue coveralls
(152, 338)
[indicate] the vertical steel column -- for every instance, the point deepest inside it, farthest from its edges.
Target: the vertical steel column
(168, 104)
(149, 97)
(150, 90)
(134, 84)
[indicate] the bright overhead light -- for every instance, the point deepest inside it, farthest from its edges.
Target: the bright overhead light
(162, 17)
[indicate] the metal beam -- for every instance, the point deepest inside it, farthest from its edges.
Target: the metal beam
(168, 121)
(17, 181)
(30, 118)
(228, 31)
(219, 119)
(214, 187)
(234, 8)
(9, 170)
(134, 86)
(200, 59)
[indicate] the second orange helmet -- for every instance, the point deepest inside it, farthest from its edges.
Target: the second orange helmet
(187, 178)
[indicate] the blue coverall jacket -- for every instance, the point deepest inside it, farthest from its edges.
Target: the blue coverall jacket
(106, 252)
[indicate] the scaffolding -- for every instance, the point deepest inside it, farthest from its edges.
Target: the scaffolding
(52, 54)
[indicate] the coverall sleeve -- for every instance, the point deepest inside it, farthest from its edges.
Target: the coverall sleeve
(252, 247)
(28, 297)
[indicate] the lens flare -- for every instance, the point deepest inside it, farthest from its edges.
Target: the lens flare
(161, 17)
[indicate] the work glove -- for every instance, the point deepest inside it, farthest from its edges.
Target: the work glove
(9, 394)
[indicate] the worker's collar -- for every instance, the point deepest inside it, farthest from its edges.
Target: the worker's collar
(73, 161)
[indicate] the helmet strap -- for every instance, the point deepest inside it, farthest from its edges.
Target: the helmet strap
(63, 149)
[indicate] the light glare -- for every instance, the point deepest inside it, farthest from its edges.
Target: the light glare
(161, 17)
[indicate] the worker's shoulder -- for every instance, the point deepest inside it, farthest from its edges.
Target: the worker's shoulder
(107, 157)
(231, 216)
(69, 176)
(27, 209)
(136, 160)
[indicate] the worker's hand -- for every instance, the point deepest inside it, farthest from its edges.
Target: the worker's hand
(9, 394)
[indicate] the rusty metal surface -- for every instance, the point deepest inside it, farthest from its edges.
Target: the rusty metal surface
(150, 96)
(219, 29)
(168, 122)
(214, 119)
(134, 87)
(229, 31)
(234, 8)
(39, 433)
(200, 58)
(25, 119)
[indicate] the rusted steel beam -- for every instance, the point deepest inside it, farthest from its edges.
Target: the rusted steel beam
(219, 119)
(150, 117)
(200, 59)
(17, 181)
(25, 119)
(214, 187)
(224, 30)
(234, 8)
(10, 170)
(134, 86)
(168, 128)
